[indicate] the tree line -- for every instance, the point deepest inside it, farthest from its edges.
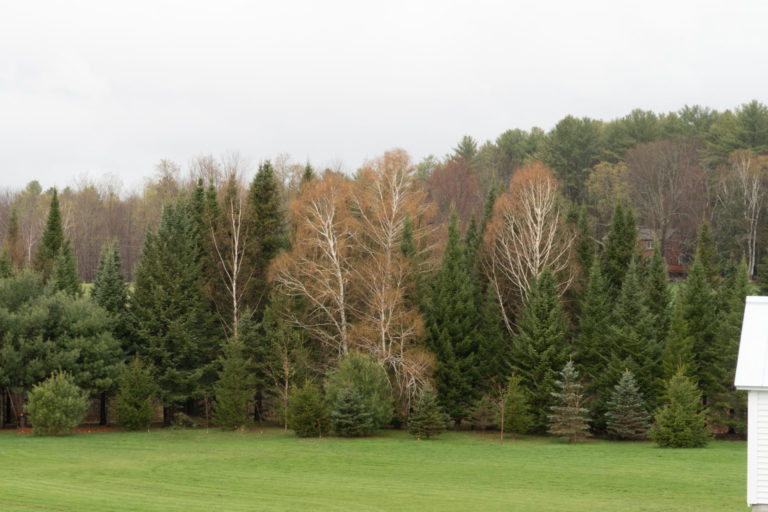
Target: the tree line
(446, 274)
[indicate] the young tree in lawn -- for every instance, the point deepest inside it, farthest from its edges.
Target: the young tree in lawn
(427, 418)
(56, 406)
(568, 418)
(681, 422)
(512, 410)
(540, 347)
(349, 415)
(234, 389)
(367, 378)
(137, 392)
(626, 415)
(307, 411)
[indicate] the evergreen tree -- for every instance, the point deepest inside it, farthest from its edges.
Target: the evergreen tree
(482, 413)
(678, 347)
(569, 416)
(700, 313)
(592, 341)
(427, 418)
(307, 412)
(452, 330)
(268, 232)
(657, 294)
(171, 321)
(109, 289)
(680, 422)
(57, 405)
(626, 416)
(6, 265)
(308, 174)
(540, 348)
(136, 395)
(51, 241)
(366, 377)
(513, 408)
(12, 242)
(234, 389)
(493, 346)
(349, 416)
(706, 253)
(620, 248)
(65, 277)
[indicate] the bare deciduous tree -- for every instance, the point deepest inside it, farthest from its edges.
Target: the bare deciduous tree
(526, 236)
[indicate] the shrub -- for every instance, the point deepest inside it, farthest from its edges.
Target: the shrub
(349, 416)
(627, 418)
(427, 419)
(307, 412)
(681, 421)
(517, 413)
(135, 405)
(57, 405)
(368, 378)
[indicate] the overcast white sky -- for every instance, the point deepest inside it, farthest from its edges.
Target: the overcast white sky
(96, 87)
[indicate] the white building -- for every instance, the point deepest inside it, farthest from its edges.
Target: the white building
(752, 376)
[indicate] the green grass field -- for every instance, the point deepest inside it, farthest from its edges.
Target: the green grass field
(191, 470)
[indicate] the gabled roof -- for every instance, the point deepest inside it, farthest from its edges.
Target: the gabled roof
(752, 368)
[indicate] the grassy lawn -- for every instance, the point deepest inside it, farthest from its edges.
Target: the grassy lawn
(190, 470)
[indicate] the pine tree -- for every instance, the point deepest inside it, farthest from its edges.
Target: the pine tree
(6, 265)
(234, 389)
(109, 289)
(307, 412)
(349, 416)
(513, 412)
(51, 241)
(657, 294)
(706, 253)
(540, 348)
(65, 277)
(452, 330)
(136, 395)
(678, 347)
(592, 342)
(172, 324)
(700, 313)
(680, 422)
(620, 248)
(493, 346)
(12, 242)
(626, 415)
(269, 230)
(427, 419)
(482, 413)
(569, 416)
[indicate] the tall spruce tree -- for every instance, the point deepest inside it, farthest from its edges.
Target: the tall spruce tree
(173, 326)
(592, 341)
(234, 388)
(678, 346)
(700, 313)
(51, 241)
(657, 294)
(539, 350)
(452, 329)
(620, 248)
(12, 242)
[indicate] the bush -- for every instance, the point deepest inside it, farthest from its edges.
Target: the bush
(427, 419)
(307, 413)
(681, 422)
(349, 416)
(368, 378)
(135, 405)
(517, 413)
(57, 405)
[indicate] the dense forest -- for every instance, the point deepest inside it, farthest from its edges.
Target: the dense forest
(615, 255)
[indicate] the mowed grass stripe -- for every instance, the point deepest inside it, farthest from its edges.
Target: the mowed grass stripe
(191, 470)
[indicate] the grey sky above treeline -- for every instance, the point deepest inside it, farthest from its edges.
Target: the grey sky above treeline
(89, 88)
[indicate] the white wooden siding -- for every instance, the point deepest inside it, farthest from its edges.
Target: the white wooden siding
(757, 449)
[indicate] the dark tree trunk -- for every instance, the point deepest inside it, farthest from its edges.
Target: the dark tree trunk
(103, 409)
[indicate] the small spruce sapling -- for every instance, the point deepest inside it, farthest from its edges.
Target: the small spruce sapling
(626, 416)
(569, 417)
(427, 419)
